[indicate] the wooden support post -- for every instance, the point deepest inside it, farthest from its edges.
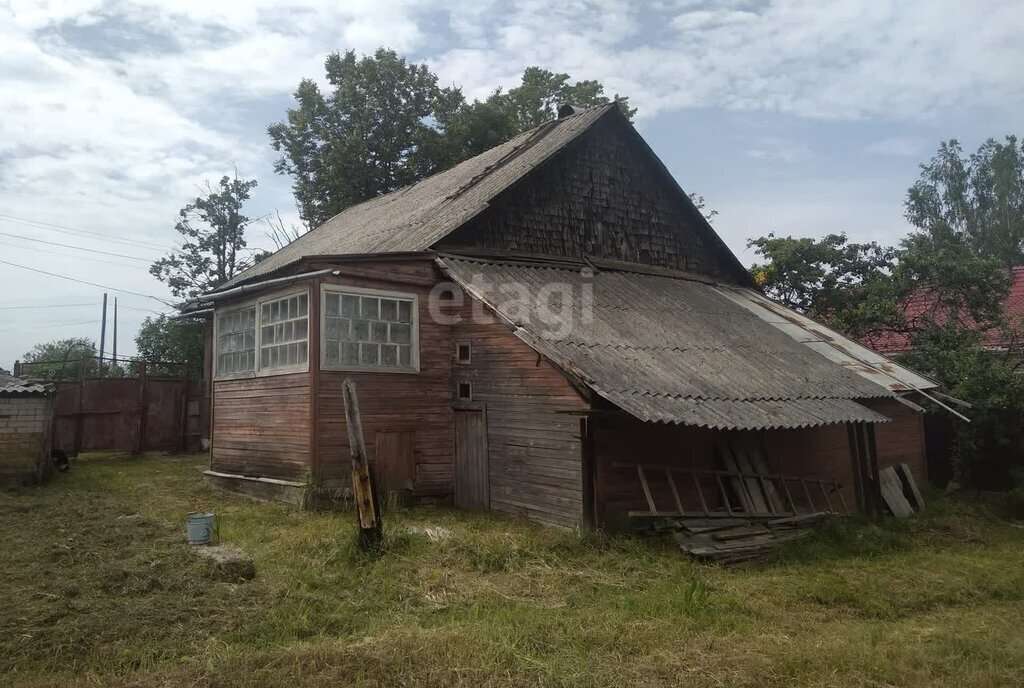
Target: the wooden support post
(589, 515)
(364, 492)
(852, 430)
(314, 384)
(874, 485)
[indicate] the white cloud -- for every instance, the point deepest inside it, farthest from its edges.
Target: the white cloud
(779, 149)
(112, 133)
(898, 146)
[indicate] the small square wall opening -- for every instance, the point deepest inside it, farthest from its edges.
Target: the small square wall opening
(465, 391)
(463, 352)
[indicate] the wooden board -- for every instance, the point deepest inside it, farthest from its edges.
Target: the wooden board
(471, 470)
(910, 485)
(892, 493)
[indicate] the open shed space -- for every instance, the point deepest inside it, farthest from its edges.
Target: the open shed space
(98, 588)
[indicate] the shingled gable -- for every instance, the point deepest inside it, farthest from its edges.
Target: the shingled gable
(560, 170)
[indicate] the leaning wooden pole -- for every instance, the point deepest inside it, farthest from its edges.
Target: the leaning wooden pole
(364, 488)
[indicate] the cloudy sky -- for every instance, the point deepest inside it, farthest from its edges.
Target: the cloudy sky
(793, 116)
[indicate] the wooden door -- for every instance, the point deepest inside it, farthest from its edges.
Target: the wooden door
(471, 480)
(395, 462)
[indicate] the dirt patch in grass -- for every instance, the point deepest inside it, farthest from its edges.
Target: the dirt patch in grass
(98, 588)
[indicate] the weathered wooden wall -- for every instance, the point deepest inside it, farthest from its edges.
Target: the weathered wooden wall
(825, 451)
(418, 403)
(821, 452)
(621, 439)
(533, 444)
(261, 426)
(603, 196)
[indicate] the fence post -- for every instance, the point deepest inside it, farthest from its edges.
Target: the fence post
(183, 440)
(140, 428)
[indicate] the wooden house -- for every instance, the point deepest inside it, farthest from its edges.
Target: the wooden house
(549, 329)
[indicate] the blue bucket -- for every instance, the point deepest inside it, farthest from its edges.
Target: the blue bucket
(199, 528)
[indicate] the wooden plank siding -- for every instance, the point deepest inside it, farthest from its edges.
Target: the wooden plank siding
(825, 451)
(622, 439)
(390, 402)
(534, 451)
(261, 426)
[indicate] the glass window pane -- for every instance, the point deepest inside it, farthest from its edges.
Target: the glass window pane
(368, 354)
(389, 354)
(350, 306)
(401, 334)
(360, 330)
(405, 311)
(370, 307)
(378, 331)
(405, 356)
(332, 304)
(303, 306)
(332, 352)
(388, 309)
(349, 353)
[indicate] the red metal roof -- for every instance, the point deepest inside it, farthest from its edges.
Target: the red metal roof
(899, 342)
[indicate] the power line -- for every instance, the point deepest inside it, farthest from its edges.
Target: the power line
(50, 251)
(64, 229)
(77, 248)
(91, 284)
(43, 327)
(47, 305)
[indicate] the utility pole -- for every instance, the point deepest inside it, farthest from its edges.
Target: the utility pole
(103, 332)
(114, 357)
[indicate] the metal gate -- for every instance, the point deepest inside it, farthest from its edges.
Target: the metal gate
(136, 413)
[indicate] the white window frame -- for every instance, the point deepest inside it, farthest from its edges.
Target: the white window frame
(258, 302)
(414, 351)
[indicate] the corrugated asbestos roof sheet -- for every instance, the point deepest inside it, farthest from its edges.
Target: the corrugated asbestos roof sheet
(415, 217)
(13, 386)
(830, 344)
(667, 349)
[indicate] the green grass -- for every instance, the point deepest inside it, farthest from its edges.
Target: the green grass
(88, 599)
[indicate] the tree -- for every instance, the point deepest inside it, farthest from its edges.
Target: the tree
(166, 340)
(213, 248)
(833, 279)
(980, 197)
(386, 123)
(60, 359)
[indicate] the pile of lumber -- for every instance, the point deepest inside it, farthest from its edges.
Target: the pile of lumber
(735, 540)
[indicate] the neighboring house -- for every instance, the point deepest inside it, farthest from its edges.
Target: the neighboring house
(26, 417)
(893, 343)
(525, 330)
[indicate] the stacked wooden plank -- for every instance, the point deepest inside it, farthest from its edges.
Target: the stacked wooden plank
(736, 540)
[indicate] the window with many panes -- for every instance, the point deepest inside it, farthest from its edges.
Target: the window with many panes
(236, 340)
(269, 335)
(370, 330)
(284, 332)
